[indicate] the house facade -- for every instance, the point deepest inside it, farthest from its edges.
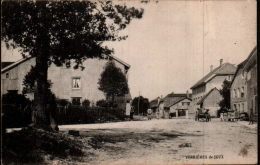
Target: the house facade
(238, 90)
(211, 101)
(214, 79)
(67, 83)
(181, 108)
(244, 86)
(251, 80)
(154, 104)
(174, 105)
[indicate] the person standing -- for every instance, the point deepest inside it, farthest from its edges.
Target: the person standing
(132, 113)
(149, 114)
(221, 116)
(128, 109)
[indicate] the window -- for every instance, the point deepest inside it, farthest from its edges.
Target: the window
(238, 92)
(248, 75)
(185, 103)
(234, 93)
(7, 75)
(242, 91)
(76, 83)
(242, 107)
(243, 74)
(235, 107)
(75, 100)
(255, 91)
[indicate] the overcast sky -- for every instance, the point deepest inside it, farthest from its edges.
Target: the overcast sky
(165, 47)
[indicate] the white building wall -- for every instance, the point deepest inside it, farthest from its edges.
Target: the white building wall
(61, 79)
(217, 82)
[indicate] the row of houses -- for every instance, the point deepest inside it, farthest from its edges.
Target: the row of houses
(206, 92)
(78, 85)
(67, 83)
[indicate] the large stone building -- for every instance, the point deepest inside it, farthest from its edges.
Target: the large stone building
(243, 90)
(238, 90)
(214, 79)
(67, 83)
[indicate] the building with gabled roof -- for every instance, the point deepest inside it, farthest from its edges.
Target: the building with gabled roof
(214, 79)
(211, 101)
(5, 64)
(166, 104)
(67, 83)
(154, 104)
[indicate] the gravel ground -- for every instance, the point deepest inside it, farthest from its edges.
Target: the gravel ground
(167, 141)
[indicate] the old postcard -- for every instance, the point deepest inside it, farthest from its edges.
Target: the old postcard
(129, 82)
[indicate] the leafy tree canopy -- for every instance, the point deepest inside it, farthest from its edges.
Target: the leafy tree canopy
(225, 92)
(59, 32)
(68, 29)
(113, 81)
(142, 103)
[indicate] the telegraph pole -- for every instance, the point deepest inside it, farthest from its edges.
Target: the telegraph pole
(138, 103)
(203, 45)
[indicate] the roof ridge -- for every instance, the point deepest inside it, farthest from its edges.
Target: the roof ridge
(214, 71)
(120, 61)
(29, 57)
(179, 101)
(15, 63)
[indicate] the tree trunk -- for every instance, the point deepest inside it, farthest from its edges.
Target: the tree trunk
(43, 116)
(41, 113)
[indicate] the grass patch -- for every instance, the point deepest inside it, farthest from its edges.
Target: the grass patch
(33, 145)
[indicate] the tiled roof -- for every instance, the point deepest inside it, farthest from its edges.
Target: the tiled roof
(173, 98)
(224, 69)
(251, 59)
(154, 103)
(245, 62)
(14, 64)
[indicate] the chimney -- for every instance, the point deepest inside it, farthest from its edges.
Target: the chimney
(158, 99)
(187, 94)
(211, 68)
(220, 62)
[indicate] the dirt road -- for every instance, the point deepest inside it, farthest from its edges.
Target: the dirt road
(168, 141)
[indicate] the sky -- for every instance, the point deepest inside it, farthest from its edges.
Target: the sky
(165, 48)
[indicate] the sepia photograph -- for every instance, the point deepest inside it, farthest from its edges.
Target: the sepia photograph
(129, 82)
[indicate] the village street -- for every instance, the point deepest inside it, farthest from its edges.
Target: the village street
(167, 141)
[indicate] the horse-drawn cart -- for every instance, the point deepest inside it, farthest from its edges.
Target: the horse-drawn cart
(202, 115)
